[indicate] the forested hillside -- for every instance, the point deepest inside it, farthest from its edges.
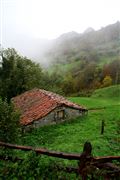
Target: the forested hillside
(90, 45)
(84, 62)
(77, 65)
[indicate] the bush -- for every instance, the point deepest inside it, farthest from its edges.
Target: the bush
(34, 167)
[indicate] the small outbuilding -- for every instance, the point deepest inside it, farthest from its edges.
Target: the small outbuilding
(39, 107)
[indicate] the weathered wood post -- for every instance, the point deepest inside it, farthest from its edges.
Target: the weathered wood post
(85, 159)
(102, 126)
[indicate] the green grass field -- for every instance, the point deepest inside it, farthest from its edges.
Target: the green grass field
(70, 136)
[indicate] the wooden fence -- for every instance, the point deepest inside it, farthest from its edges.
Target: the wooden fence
(87, 164)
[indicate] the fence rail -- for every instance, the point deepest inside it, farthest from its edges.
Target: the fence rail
(85, 159)
(69, 156)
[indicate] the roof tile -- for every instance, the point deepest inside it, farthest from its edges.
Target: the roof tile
(37, 103)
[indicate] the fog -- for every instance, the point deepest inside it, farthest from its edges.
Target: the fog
(30, 25)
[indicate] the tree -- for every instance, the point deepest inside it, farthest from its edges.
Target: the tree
(89, 74)
(9, 122)
(107, 81)
(68, 85)
(96, 84)
(18, 74)
(115, 71)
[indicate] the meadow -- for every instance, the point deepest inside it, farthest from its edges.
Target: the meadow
(70, 136)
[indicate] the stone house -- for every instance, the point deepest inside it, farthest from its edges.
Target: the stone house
(39, 107)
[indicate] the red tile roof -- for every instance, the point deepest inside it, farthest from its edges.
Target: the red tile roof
(37, 103)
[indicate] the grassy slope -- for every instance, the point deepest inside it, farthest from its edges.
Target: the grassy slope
(105, 97)
(112, 92)
(70, 136)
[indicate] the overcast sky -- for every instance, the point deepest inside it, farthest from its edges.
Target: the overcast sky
(50, 18)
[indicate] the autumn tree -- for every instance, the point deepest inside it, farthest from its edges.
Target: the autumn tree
(113, 70)
(107, 81)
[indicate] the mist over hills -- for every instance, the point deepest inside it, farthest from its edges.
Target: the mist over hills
(30, 47)
(73, 64)
(74, 46)
(68, 47)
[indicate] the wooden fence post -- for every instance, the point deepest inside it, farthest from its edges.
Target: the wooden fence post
(85, 160)
(102, 126)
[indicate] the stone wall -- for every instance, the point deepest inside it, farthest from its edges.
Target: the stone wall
(52, 118)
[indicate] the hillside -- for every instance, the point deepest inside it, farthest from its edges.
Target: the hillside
(80, 63)
(100, 98)
(70, 136)
(85, 62)
(89, 45)
(108, 92)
